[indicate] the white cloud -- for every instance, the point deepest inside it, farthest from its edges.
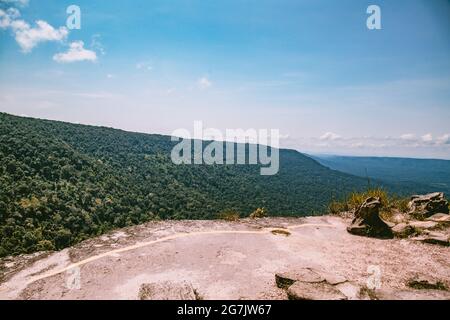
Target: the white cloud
(427, 137)
(204, 83)
(110, 76)
(26, 36)
(76, 53)
(408, 136)
(445, 139)
(330, 136)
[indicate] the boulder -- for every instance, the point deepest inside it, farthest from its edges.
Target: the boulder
(367, 221)
(314, 291)
(288, 278)
(427, 205)
(351, 291)
(167, 290)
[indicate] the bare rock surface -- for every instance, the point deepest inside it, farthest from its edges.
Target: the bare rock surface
(225, 260)
(167, 290)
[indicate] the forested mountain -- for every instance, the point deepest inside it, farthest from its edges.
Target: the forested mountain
(62, 183)
(426, 175)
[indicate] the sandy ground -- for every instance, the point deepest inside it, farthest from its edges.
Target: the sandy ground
(222, 260)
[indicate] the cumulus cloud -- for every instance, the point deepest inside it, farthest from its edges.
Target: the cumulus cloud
(445, 139)
(76, 53)
(408, 136)
(26, 36)
(204, 83)
(330, 136)
(427, 137)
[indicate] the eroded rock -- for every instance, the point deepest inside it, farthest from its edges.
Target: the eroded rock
(287, 278)
(423, 225)
(427, 205)
(367, 221)
(434, 238)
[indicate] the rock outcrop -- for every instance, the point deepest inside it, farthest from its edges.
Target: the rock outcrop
(313, 284)
(367, 221)
(314, 291)
(428, 205)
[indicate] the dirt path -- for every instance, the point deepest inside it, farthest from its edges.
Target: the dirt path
(222, 260)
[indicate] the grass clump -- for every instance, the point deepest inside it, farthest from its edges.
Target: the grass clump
(229, 215)
(258, 213)
(390, 203)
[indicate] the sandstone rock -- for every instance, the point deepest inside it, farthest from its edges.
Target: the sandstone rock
(287, 278)
(350, 290)
(402, 230)
(440, 218)
(314, 291)
(333, 279)
(367, 221)
(422, 225)
(167, 290)
(437, 238)
(434, 238)
(427, 205)
(426, 282)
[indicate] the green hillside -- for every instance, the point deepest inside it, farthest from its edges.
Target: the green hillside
(62, 183)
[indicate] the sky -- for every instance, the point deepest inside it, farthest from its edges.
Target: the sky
(310, 68)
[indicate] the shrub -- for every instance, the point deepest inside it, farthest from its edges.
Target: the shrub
(229, 215)
(258, 213)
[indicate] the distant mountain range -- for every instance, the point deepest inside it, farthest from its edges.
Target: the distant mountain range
(427, 175)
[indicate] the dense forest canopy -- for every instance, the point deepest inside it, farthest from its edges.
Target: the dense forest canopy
(62, 183)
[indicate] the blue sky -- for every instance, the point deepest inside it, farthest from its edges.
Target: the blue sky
(309, 68)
